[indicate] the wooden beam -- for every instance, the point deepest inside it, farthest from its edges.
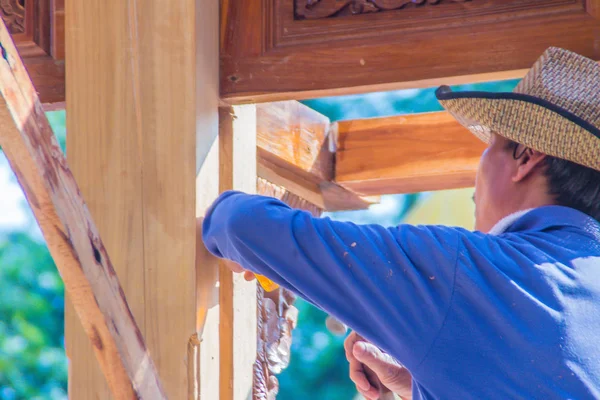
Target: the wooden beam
(267, 188)
(72, 238)
(593, 8)
(131, 117)
(48, 76)
(57, 25)
(297, 137)
(238, 306)
(60, 106)
(275, 95)
(406, 154)
(295, 151)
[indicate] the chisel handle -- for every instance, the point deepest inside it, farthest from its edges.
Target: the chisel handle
(266, 283)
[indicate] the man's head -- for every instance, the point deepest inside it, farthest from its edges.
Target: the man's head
(554, 112)
(512, 177)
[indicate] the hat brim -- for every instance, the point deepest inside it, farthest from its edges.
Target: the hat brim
(525, 119)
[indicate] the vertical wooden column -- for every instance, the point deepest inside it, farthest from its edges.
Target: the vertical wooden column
(204, 345)
(131, 106)
(238, 306)
(57, 29)
(224, 349)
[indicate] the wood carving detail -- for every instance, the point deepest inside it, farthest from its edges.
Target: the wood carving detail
(317, 9)
(13, 15)
(277, 317)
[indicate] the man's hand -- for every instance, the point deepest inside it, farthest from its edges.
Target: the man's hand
(248, 275)
(384, 372)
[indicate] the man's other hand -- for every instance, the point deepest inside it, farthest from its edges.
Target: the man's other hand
(384, 372)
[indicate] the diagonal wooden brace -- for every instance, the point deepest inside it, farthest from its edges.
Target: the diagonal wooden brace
(72, 238)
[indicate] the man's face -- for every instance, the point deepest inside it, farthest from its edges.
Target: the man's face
(494, 186)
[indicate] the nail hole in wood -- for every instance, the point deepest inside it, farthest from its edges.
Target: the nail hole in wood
(97, 254)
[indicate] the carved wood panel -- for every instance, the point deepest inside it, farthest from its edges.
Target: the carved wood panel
(277, 317)
(13, 14)
(314, 9)
(294, 49)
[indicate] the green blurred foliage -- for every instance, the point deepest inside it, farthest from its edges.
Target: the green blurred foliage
(32, 356)
(384, 104)
(33, 365)
(318, 366)
(58, 122)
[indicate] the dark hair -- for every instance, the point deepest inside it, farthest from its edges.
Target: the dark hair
(572, 185)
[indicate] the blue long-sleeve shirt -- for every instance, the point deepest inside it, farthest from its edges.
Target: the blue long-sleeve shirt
(472, 316)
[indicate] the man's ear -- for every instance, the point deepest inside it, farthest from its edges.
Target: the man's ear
(527, 164)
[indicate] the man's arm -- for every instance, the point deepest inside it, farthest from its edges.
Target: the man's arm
(392, 286)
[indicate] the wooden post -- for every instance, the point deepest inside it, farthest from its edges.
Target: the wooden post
(205, 344)
(204, 370)
(238, 306)
(72, 238)
(295, 151)
(406, 154)
(57, 26)
(131, 123)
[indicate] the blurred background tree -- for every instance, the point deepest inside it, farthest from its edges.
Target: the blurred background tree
(33, 365)
(32, 355)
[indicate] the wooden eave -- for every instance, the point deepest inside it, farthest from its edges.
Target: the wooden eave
(278, 49)
(281, 49)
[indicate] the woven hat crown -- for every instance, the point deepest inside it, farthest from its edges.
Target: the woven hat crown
(555, 109)
(567, 80)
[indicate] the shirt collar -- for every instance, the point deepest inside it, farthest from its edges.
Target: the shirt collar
(546, 217)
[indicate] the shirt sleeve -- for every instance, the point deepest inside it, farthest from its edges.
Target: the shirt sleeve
(393, 286)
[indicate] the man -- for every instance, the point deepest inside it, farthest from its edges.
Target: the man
(510, 311)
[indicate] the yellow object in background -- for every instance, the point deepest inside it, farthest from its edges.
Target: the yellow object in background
(445, 207)
(266, 283)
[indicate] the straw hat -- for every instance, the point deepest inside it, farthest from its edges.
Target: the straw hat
(555, 109)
